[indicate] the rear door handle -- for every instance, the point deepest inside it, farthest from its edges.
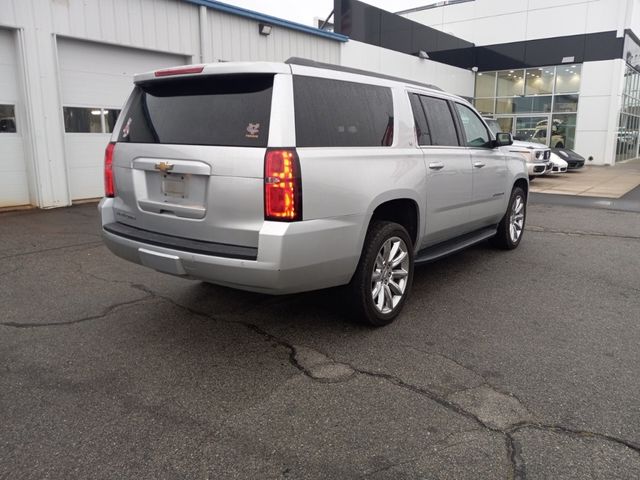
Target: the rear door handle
(436, 165)
(478, 164)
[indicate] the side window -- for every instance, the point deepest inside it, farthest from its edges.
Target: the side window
(89, 120)
(110, 119)
(441, 124)
(475, 131)
(334, 113)
(422, 129)
(7, 119)
(82, 120)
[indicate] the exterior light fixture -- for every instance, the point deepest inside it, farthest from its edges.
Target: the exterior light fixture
(264, 29)
(422, 54)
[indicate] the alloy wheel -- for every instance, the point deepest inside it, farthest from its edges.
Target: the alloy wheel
(390, 274)
(516, 218)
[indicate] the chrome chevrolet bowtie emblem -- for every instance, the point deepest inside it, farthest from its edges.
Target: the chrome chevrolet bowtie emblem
(164, 166)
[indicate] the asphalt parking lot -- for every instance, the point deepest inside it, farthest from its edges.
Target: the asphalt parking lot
(503, 365)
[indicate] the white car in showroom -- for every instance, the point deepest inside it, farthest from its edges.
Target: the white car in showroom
(538, 156)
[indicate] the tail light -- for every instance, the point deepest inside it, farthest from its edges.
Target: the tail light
(109, 184)
(282, 185)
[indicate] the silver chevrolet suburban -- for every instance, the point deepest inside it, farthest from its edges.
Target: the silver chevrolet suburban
(296, 176)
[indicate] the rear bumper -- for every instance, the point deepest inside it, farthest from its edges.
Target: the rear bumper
(291, 257)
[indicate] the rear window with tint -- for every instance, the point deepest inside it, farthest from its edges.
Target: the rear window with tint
(227, 110)
(441, 123)
(422, 128)
(334, 113)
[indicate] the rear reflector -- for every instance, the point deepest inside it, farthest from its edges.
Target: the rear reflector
(179, 70)
(282, 185)
(109, 184)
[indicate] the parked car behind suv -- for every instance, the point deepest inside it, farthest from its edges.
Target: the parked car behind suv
(573, 159)
(537, 155)
(287, 177)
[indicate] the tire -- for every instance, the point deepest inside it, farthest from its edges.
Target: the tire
(515, 216)
(382, 235)
(560, 145)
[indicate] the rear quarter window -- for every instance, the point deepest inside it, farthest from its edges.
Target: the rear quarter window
(441, 123)
(335, 113)
(226, 110)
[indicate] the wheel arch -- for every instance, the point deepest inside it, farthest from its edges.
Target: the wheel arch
(522, 183)
(402, 208)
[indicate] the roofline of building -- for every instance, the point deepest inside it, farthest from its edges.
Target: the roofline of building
(444, 3)
(261, 17)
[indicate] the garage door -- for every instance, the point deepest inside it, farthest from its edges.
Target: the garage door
(95, 82)
(14, 188)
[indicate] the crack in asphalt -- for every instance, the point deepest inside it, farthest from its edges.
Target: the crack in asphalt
(513, 448)
(43, 250)
(449, 359)
(106, 312)
(517, 465)
(579, 233)
(386, 468)
(575, 432)
(9, 272)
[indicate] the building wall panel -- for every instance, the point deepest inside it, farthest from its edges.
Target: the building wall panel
(368, 57)
(8, 13)
(598, 108)
(518, 20)
(85, 154)
(14, 188)
(106, 83)
(237, 39)
(160, 25)
(92, 74)
(50, 78)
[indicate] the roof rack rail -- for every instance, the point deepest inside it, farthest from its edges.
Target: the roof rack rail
(305, 62)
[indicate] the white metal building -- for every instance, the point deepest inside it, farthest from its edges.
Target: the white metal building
(530, 49)
(66, 68)
(563, 71)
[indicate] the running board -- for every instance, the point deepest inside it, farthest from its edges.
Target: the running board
(436, 252)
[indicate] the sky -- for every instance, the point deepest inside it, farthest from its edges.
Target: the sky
(304, 11)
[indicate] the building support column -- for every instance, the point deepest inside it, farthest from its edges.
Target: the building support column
(45, 142)
(205, 35)
(615, 105)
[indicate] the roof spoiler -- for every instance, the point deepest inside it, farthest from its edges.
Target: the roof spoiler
(305, 62)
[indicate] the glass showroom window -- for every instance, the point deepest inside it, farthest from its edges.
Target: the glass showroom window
(89, 120)
(7, 119)
(485, 93)
(629, 126)
(568, 78)
(510, 83)
(540, 81)
(535, 104)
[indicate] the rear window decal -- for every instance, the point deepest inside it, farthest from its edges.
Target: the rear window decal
(125, 129)
(253, 130)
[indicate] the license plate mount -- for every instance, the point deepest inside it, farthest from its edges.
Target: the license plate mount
(174, 185)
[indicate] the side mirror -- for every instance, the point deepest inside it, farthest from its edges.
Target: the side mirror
(503, 139)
